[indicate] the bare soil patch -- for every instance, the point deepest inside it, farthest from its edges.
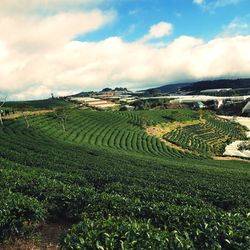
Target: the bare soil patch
(228, 158)
(27, 113)
(47, 237)
(160, 130)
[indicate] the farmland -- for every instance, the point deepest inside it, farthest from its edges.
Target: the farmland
(210, 137)
(117, 187)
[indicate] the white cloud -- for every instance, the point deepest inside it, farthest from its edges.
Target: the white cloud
(158, 30)
(212, 5)
(223, 3)
(83, 66)
(238, 26)
(198, 1)
(32, 34)
(40, 54)
(25, 6)
(134, 12)
(29, 39)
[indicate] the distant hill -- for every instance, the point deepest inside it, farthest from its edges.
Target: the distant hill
(204, 85)
(173, 87)
(169, 88)
(218, 84)
(195, 87)
(81, 94)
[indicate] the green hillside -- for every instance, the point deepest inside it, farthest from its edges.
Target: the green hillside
(37, 104)
(116, 130)
(116, 187)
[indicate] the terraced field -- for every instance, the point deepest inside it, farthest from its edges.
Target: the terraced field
(210, 137)
(115, 187)
(153, 117)
(108, 129)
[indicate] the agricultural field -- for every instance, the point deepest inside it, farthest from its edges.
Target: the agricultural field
(111, 185)
(209, 137)
(153, 117)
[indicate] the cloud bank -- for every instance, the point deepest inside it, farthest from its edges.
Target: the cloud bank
(40, 55)
(27, 6)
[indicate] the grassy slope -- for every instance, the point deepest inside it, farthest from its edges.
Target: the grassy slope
(37, 104)
(68, 173)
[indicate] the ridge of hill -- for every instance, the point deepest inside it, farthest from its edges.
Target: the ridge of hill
(206, 84)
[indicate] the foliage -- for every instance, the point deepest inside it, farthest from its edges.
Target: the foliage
(162, 116)
(62, 113)
(208, 138)
(244, 146)
(119, 233)
(106, 175)
(60, 199)
(18, 214)
(117, 130)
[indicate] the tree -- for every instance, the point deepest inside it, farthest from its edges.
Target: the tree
(145, 121)
(25, 112)
(121, 89)
(106, 90)
(2, 102)
(62, 114)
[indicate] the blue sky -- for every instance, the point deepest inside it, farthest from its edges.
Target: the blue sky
(134, 17)
(65, 46)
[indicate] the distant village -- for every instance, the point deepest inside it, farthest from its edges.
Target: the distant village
(124, 99)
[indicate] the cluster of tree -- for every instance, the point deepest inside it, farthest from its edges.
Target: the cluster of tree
(115, 89)
(231, 108)
(152, 92)
(83, 94)
(244, 146)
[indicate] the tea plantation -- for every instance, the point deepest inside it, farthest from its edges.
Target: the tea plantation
(209, 137)
(118, 187)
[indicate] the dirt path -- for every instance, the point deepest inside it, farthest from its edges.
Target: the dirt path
(228, 158)
(160, 130)
(26, 113)
(48, 237)
(172, 145)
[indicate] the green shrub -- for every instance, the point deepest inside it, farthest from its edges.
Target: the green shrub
(116, 233)
(19, 214)
(61, 200)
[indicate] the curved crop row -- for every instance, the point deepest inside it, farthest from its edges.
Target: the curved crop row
(206, 138)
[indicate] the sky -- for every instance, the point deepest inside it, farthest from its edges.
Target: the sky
(64, 46)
